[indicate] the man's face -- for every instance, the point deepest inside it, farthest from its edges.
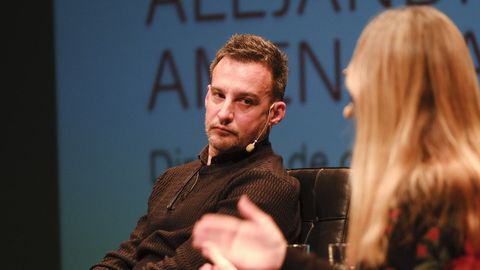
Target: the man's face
(237, 104)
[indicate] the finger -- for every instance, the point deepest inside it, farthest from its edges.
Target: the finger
(198, 234)
(250, 211)
(205, 229)
(214, 228)
(206, 266)
(213, 254)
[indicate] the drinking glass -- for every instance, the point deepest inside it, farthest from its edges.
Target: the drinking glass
(337, 256)
(304, 248)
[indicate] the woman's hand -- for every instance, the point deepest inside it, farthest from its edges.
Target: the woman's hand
(254, 242)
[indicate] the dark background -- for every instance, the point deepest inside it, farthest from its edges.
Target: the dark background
(29, 174)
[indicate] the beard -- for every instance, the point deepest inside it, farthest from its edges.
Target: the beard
(223, 139)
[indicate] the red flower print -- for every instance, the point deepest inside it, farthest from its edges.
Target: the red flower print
(389, 229)
(466, 262)
(421, 250)
(433, 234)
(394, 213)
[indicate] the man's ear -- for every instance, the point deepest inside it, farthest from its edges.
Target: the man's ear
(207, 95)
(278, 112)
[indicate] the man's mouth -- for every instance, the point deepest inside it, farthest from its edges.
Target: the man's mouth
(222, 130)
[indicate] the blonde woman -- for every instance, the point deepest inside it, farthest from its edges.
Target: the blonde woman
(416, 160)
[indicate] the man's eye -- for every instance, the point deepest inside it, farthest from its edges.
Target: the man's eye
(247, 101)
(218, 95)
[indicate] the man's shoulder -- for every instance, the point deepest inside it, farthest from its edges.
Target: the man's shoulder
(182, 168)
(188, 164)
(272, 169)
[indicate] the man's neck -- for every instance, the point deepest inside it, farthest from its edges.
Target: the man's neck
(209, 160)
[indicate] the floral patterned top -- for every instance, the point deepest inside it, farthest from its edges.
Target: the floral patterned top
(429, 247)
(433, 247)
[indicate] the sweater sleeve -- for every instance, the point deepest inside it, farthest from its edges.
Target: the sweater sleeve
(125, 257)
(275, 193)
(276, 196)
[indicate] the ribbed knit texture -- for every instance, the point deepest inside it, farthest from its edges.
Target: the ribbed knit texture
(162, 238)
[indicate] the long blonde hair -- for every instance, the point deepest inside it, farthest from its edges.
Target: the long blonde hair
(417, 110)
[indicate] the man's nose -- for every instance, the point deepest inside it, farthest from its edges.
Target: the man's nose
(225, 114)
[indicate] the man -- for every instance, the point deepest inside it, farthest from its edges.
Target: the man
(243, 102)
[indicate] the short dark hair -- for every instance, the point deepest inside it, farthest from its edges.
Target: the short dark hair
(253, 48)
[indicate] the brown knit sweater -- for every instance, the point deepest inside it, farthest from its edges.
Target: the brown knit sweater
(162, 237)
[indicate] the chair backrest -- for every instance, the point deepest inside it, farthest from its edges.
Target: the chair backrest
(324, 205)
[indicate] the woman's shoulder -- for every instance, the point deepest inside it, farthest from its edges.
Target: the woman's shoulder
(416, 244)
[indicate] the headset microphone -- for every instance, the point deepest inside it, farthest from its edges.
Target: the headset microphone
(251, 146)
(348, 111)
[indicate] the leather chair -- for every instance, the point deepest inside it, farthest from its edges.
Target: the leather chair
(324, 205)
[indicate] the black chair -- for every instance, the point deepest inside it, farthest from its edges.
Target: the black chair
(324, 205)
